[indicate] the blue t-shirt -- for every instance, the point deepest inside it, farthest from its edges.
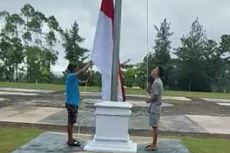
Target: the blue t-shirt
(71, 88)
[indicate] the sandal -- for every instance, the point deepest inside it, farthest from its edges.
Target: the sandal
(150, 148)
(147, 146)
(75, 143)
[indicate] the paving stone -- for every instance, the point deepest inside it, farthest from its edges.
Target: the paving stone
(213, 124)
(25, 114)
(58, 116)
(56, 143)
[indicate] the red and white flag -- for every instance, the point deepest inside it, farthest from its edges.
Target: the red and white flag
(102, 52)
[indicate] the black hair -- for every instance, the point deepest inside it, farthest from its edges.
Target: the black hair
(71, 67)
(160, 71)
(150, 79)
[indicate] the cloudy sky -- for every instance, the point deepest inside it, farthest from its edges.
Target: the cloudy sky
(213, 14)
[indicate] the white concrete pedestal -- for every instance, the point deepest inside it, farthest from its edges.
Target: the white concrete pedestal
(112, 124)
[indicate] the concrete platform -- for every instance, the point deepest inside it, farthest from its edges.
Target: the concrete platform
(56, 143)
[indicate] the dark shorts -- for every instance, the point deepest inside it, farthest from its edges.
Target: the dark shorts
(72, 113)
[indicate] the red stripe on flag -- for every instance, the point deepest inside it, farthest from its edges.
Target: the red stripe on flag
(107, 8)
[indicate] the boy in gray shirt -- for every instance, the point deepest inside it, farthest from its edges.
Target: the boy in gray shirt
(155, 105)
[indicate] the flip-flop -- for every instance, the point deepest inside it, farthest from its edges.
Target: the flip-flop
(150, 149)
(147, 146)
(74, 144)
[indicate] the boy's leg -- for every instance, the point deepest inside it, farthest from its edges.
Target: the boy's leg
(153, 121)
(70, 133)
(72, 115)
(154, 135)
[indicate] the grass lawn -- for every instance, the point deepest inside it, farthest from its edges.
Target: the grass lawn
(32, 86)
(184, 94)
(205, 145)
(128, 90)
(11, 138)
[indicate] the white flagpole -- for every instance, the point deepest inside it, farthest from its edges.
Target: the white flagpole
(116, 50)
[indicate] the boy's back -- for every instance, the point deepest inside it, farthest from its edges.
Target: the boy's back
(72, 90)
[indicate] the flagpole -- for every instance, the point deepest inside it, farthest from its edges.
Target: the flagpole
(116, 49)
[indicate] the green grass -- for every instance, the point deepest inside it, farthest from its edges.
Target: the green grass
(206, 145)
(198, 94)
(58, 87)
(32, 86)
(184, 94)
(11, 138)
(128, 90)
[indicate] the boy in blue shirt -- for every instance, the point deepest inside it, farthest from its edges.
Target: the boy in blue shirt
(73, 99)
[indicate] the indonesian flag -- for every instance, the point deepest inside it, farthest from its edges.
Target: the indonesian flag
(103, 50)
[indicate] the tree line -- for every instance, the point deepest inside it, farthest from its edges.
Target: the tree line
(30, 43)
(198, 64)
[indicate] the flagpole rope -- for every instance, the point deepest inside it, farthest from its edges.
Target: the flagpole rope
(147, 40)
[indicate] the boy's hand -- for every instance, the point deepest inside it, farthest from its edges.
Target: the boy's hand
(85, 67)
(147, 99)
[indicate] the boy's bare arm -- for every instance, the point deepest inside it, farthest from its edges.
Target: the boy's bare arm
(85, 68)
(152, 99)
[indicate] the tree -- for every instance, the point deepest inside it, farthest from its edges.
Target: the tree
(141, 79)
(5, 49)
(130, 77)
(35, 36)
(27, 11)
(160, 56)
(224, 49)
(50, 53)
(163, 44)
(14, 52)
(34, 56)
(191, 63)
(72, 41)
(16, 55)
(221, 62)
(75, 53)
(94, 79)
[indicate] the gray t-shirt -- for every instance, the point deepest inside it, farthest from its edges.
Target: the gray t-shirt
(157, 89)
